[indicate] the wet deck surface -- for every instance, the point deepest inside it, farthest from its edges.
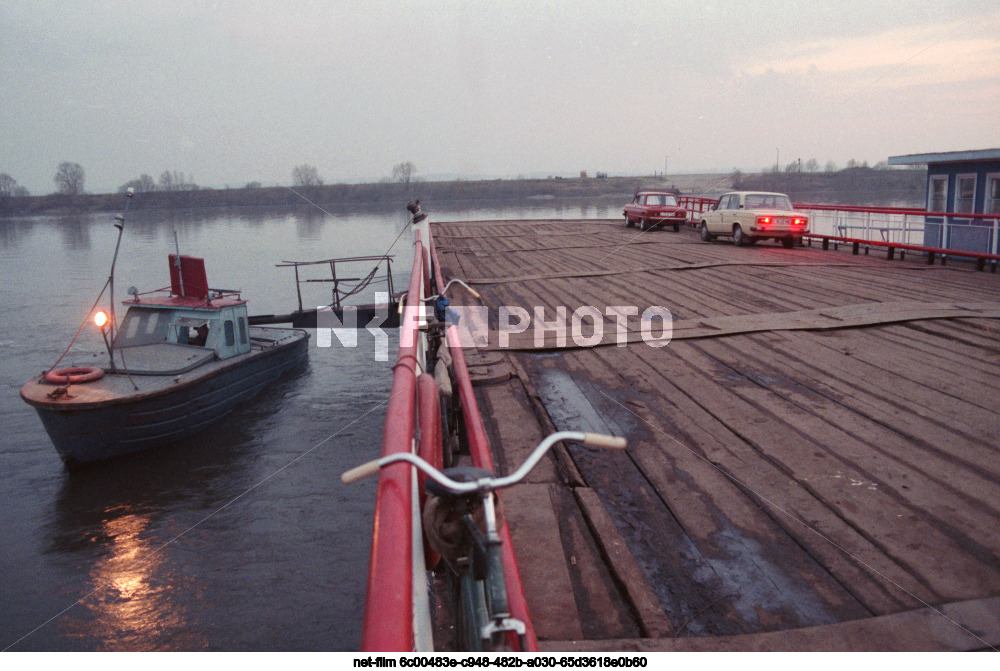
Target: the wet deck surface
(835, 481)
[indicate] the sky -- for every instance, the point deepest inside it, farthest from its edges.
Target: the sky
(234, 92)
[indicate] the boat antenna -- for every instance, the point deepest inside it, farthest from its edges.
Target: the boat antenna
(177, 263)
(120, 225)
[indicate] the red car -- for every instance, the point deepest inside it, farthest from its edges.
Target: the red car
(653, 209)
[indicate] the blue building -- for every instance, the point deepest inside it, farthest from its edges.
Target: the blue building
(961, 182)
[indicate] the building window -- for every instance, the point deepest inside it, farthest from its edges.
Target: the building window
(937, 194)
(965, 193)
(992, 204)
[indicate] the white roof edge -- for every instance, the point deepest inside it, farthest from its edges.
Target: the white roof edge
(946, 157)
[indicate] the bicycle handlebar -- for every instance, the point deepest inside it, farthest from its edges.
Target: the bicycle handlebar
(605, 441)
(360, 472)
(486, 484)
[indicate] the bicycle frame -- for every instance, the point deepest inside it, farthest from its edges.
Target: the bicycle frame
(484, 608)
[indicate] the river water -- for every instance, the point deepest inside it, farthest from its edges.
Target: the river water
(243, 538)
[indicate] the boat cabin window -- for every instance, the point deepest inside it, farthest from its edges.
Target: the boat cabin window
(243, 330)
(130, 327)
(142, 327)
(191, 331)
(230, 333)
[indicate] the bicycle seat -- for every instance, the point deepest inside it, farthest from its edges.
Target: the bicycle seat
(459, 474)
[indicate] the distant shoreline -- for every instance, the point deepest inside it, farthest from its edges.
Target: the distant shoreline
(855, 186)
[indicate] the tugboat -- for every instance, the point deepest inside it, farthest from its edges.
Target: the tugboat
(184, 356)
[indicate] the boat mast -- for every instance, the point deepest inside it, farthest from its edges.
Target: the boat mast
(120, 225)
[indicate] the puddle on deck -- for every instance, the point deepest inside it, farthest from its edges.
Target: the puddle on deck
(730, 588)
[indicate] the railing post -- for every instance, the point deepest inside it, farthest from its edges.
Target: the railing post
(868, 229)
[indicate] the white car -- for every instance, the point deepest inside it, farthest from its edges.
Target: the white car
(750, 216)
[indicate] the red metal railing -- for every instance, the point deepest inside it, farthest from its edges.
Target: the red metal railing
(388, 619)
(980, 257)
(695, 205)
(899, 227)
(389, 607)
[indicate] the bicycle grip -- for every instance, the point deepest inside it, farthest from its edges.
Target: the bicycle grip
(475, 294)
(602, 440)
(359, 472)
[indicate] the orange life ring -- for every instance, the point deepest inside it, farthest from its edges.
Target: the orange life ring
(75, 375)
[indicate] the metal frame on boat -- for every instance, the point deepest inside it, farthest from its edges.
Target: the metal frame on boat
(362, 315)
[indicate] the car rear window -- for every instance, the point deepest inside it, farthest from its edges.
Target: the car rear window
(661, 199)
(768, 201)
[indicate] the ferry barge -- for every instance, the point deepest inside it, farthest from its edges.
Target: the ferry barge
(812, 462)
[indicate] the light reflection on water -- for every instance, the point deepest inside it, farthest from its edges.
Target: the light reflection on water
(261, 562)
(132, 604)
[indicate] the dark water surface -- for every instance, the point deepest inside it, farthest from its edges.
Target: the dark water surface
(243, 539)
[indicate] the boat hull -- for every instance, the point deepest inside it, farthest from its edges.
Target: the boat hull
(87, 432)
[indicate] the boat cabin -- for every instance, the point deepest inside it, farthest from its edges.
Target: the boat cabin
(169, 334)
(222, 329)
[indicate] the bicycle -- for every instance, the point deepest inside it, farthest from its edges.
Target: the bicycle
(460, 521)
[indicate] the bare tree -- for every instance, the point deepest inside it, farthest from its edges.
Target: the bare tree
(175, 181)
(830, 166)
(403, 172)
(812, 165)
(166, 181)
(10, 187)
(306, 175)
(69, 178)
(141, 184)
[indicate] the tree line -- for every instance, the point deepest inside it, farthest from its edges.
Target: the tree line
(857, 185)
(812, 165)
(70, 179)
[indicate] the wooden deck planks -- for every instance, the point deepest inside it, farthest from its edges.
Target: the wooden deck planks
(774, 481)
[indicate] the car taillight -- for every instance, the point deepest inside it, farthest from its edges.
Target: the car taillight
(763, 221)
(799, 221)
